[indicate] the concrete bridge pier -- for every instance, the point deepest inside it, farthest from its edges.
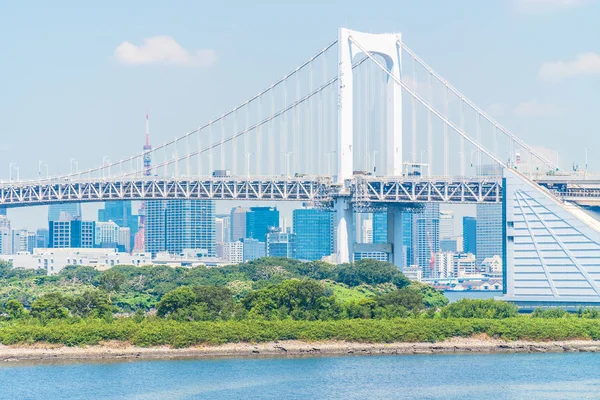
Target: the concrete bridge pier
(344, 229)
(394, 235)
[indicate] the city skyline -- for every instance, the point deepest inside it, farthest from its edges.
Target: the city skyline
(106, 62)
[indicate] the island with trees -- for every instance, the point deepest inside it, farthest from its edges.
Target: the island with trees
(266, 300)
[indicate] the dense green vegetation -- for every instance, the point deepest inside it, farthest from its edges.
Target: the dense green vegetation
(264, 300)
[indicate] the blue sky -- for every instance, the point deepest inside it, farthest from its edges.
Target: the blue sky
(66, 92)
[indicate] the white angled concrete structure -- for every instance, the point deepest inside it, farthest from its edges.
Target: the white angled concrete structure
(552, 248)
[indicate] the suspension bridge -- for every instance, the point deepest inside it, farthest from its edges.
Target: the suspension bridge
(364, 124)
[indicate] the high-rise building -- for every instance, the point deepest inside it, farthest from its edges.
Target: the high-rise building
(120, 213)
(72, 209)
(238, 223)
(427, 238)
(447, 235)
(69, 232)
(447, 225)
(155, 226)
(469, 235)
(107, 234)
(367, 231)
(281, 244)
(259, 220)
(31, 241)
(6, 245)
(488, 231)
(190, 224)
(444, 265)
(253, 249)
(408, 238)
(314, 233)
(380, 228)
(408, 234)
(222, 228)
(42, 238)
(20, 240)
(125, 239)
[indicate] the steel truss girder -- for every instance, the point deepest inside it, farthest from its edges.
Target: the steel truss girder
(426, 190)
(35, 193)
(365, 193)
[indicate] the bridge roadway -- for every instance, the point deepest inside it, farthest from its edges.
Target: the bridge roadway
(363, 190)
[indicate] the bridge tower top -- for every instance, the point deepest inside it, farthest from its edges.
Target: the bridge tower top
(388, 46)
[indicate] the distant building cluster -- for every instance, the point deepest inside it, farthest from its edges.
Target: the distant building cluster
(190, 230)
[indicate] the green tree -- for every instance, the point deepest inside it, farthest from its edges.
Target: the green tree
(477, 308)
(15, 309)
(397, 302)
(111, 280)
(298, 299)
(175, 300)
(91, 303)
(370, 272)
(50, 306)
(79, 274)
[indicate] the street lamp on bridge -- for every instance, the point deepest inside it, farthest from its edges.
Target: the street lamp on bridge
(10, 169)
(287, 162)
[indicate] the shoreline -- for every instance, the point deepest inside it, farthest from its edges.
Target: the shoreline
(291, 348)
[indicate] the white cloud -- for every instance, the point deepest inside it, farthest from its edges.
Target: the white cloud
(532, 108)
(583, 64)
(548, 5)
(163, 50)
(496, 109)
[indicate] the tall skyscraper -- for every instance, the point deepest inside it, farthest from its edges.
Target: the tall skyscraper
(238, 223)
(72, 209)
(154, 228)
(259, 220)
(469, 235)
(222, 228)
(447, 235)
(176, 225)
(380, 227)
(488, 231)
(190, 224)
(408, 238)
(314, 233)
(6, 245)
(427, 238)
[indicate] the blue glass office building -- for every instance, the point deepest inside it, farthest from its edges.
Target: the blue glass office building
(72, 209)
(259, 220)
(314, 233)
(469, 235)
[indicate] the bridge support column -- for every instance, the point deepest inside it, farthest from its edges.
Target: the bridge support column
(344, 230)
(394, 236)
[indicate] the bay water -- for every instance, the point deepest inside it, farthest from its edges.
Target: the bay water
(489, 376)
